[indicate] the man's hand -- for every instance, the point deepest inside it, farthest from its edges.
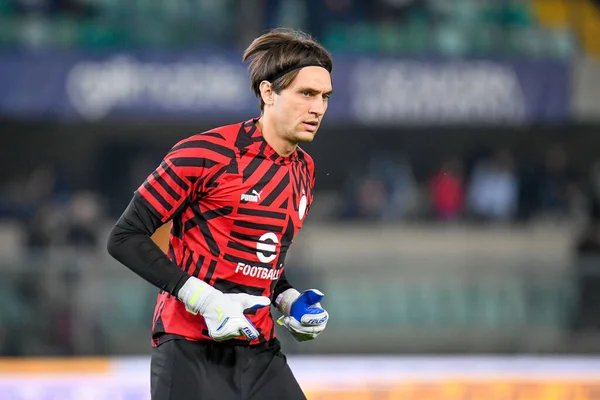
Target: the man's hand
(223, 313)
(303, 315)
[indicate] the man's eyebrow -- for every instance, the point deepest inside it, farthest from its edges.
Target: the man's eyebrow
(313, 90)
(307, 89)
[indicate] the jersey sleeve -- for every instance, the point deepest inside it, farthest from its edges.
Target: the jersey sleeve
(183, 173)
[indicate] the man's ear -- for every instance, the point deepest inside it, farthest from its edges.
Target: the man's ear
(266, 92)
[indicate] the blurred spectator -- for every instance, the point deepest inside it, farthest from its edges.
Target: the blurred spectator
(529, 184)
(589, 240)
(587, 249)
(316, 16)
(382, 10)
(399, 176)
(371, 198)
(447, 191)
(555, 183)
(493, 189)
(78, 8)
(287, 13)
(43, 193)
(384, 191)
(42, 229)
(594, 192)
(84, 219)
(517, 13)
(122, 167)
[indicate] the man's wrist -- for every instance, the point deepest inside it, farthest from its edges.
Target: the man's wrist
(284, 301)
(180, 282)
(194, 294)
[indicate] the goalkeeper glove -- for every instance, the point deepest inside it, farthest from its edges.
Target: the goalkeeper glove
(223, 313)
(302, 313)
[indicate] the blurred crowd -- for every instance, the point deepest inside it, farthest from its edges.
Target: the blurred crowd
(68, 310)
(486, 187)
(50, 211)
(482, 187)
(489, 187)
(389, 26)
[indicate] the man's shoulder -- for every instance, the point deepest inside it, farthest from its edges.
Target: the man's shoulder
(216, 145)
(228, 132)
(221, 138)
(224, 135)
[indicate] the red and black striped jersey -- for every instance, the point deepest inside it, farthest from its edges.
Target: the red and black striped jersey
(235, 206)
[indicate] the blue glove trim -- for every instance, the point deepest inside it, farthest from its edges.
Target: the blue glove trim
(305, 304)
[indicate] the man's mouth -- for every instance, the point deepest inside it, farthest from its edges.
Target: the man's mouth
(311, 125)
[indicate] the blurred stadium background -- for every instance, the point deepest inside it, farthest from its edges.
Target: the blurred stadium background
(456, 229)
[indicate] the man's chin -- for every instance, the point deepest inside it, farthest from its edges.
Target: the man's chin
(305, 137)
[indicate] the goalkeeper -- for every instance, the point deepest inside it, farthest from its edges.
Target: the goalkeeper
(234, 198)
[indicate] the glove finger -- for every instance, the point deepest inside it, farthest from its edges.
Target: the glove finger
(310, 297)
(248, 301)
(292, 324)
(315, 295)
(285, 321)
(317, 316)
(303, 333)
(249, 330)
(308, 329)
(307, 303)
(235, 328)
(228, 330)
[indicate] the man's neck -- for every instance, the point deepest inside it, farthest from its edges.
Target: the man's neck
(281, 146)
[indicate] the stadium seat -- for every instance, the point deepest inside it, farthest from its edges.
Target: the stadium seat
(35, 32)
(101, 34)
(10, 309)
(552, 13)
(9, 30)
(6, 7)
(66, 31)
(452, 39)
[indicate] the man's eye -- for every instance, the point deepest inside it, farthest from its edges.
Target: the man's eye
(306, 93)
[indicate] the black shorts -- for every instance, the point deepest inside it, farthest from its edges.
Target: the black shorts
(185, 370)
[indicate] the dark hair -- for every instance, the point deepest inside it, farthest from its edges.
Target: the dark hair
(278, 51)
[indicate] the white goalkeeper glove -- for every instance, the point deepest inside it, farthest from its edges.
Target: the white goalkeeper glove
(302, 313)
(223, 312)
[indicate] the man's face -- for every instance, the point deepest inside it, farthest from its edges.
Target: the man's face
(300, 107)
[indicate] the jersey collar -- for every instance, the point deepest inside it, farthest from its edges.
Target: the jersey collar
(265, 148)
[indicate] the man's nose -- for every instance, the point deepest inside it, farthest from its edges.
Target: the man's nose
(318, 107)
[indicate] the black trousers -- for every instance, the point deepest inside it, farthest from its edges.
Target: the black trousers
(185, 370)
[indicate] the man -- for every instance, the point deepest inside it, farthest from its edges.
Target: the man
(235, 196)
